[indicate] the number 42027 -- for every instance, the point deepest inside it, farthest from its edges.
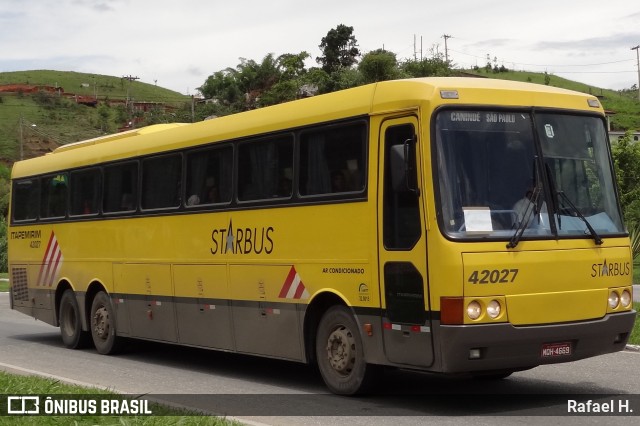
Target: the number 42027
(493, 276)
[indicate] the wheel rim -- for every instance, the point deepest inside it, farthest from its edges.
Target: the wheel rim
(101, 323)
(341, 350)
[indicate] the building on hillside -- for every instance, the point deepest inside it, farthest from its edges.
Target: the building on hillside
(614, 135)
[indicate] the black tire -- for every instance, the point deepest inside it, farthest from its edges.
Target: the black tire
(103, 325)
(71, 331)
(340, 354)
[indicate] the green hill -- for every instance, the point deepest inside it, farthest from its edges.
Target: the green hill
(623, 105)
(91, 84)
(46, 119)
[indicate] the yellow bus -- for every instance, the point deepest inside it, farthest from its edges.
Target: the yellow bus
(449, 225)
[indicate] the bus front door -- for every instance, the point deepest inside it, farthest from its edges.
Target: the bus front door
(402, 246)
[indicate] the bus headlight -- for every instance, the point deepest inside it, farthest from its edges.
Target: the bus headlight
(493, 309)
(614, 300)
(625, 298)
(474, 310)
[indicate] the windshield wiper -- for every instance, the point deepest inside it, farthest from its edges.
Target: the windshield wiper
(593, 232)
(526, 218)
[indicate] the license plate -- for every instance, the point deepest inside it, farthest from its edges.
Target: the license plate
(552, 350)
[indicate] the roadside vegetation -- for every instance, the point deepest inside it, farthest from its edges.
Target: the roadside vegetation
(11, 384)
(634, 339)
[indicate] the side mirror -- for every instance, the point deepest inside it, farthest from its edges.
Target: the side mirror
(403, 167)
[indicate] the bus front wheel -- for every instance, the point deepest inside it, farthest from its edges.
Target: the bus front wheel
(71, 331)
(340, 354)
(103, 326)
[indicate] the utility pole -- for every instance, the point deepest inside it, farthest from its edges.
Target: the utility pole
(193, 109)
(21, 138)
(446, 50)
(415, 49)
(131, 79)
(127, 104)
(638, 58)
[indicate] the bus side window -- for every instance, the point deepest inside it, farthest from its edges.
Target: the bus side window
(26, 200)
(120, 188)
(265, 169)
(53, 196)
(402, 227)
(332, 160)
(161, 182)
(85, 192)
(209, 176)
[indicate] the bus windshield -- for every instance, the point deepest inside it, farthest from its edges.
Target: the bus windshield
(504, 174)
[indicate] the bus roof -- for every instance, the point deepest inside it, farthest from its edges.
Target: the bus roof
(119, 136)
(376, 98)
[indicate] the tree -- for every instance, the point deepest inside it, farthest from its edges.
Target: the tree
(339, 48)
(257, 77)
(378, 65)
(434, 65)
(428, 67)
(626, 159)
(222, 87)
(5, 185)
(291, 65)
(104, 117)
(4, 245)
(292, 74)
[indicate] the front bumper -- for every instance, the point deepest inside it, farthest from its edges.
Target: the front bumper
(507, 347)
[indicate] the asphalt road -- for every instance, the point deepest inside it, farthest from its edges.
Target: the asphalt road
(257, 390)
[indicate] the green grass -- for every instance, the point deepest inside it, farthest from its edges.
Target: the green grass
(11, 384)
(634, 339)
(4, 285)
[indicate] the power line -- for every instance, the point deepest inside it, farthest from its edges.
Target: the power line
(548, 65)
(593, 72)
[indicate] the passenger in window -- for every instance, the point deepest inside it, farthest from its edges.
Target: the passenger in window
(193, 200)
(58, 200)
(523, 207)
(126, 202)
(338, 182)
(285, 185)
(353, 176)
(86, 207)
(210, 191)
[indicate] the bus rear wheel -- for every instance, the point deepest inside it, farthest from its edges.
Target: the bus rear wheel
(71, 331)
(340, 354)
(103, 326)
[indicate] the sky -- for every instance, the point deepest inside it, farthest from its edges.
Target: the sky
(177, 44)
